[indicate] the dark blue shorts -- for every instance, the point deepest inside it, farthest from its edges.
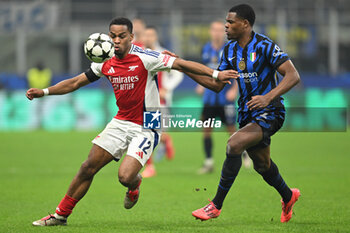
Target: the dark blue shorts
(270, 122)
(226, 113)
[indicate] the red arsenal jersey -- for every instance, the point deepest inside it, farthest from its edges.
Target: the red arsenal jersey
(133, 81)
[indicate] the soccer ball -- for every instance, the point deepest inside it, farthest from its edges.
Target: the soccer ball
(99, 47)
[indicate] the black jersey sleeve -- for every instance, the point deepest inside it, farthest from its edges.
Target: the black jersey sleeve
(275, 56)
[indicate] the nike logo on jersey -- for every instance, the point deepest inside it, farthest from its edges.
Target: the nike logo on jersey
(132, 68)
(230, 59)
(111, 70)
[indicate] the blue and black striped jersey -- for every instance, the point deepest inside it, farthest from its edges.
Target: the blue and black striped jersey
(256, 63)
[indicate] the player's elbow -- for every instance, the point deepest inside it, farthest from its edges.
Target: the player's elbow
(215, 88)
(218, 87)
(293, 77)
(296, 77)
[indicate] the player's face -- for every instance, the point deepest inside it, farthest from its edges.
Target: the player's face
(234, 26)
(122, 39)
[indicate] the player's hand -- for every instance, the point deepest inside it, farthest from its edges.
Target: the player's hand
(34, 93)
(258, 101)
(166, 52)
(226, 75)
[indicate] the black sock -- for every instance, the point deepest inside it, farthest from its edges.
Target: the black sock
(208, 145)
(229, 172)
(274, 178)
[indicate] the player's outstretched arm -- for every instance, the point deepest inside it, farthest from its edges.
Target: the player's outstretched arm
(207, 77)
(291, 78)
(63, 87)
(207, 82)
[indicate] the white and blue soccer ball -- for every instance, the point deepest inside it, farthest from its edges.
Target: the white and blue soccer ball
(99, 47)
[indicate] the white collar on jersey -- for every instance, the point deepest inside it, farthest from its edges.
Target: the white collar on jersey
(131, 48)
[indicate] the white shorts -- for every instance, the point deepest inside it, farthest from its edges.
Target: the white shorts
(124, 136)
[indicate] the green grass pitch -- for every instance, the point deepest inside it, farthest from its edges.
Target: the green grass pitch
(37, 167)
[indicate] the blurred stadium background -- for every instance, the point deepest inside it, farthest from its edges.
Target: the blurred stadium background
(316, 35)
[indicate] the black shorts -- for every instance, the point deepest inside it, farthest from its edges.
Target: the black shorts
(269, 121)
(226, 113)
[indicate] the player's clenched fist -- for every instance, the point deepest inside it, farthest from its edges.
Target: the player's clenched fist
(226, 75)
(34, 93)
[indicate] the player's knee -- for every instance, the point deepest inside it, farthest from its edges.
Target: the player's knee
(125, 179)
(87, 170)
(233, 147)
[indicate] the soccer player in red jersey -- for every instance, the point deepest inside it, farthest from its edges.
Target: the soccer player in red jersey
(131, 72)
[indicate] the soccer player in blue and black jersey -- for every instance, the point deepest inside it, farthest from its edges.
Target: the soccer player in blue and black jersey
(261, 111)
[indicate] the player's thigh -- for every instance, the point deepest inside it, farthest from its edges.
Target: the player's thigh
(248, 136)
(260, 157)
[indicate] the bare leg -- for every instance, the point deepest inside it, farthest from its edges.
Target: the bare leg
(80, 184)
(129, 177)
(129, 172)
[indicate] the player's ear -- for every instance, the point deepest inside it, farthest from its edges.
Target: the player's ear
(131, 36)
(246, 23)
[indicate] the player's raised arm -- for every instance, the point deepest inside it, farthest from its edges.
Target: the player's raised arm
(63, 87)
(207, 77)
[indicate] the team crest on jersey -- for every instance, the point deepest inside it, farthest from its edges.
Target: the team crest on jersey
(241, 65)
(132, 68)
(252, 56)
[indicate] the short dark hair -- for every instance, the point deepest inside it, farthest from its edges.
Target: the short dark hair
(244, 11)
(122, 21)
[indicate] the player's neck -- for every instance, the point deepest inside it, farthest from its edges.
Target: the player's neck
(121, 56)
(244, 40)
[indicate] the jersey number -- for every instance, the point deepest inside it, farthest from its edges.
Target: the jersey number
(144, 147)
